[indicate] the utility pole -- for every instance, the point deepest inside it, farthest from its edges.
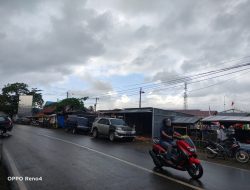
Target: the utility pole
(224, 103)
(96, 99)
(67, 94)
(140, 92)
(185, 97)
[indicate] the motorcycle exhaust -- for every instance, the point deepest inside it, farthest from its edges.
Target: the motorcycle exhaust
(156, 161)
(213, 151)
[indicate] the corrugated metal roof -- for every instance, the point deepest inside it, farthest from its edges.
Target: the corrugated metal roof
(185, 120)
(137, 110)
(226, 119)
(198, 113)
(50, 109)
(128, 110)
(234, 112)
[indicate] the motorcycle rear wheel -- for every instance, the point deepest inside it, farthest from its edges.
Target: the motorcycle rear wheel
(242, 156)
(195, 171)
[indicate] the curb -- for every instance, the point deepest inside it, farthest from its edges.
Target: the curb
(9, 163)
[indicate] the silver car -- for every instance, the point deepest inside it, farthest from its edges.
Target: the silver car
(113, 128)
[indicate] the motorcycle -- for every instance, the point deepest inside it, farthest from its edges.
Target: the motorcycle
(184, 156)
(229, 148)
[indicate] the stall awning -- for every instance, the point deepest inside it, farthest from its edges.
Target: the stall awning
(226, 119)
(186, 120)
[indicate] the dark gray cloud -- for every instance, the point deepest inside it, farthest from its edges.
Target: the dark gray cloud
(44, 42)
(69, 41)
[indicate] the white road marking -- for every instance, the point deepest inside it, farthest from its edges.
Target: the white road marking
(124, 161)
(223, 165)
(14, 169)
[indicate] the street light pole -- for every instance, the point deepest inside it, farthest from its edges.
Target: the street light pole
(96, 99)
(140, 92)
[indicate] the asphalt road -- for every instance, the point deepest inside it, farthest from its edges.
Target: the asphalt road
(66, 161)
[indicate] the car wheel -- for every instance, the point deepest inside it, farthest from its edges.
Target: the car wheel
(112, 136)
(95, 133)
(130, 139)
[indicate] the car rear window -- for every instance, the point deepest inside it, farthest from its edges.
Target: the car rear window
(82, 121)
(117, 122)
(71, 118)
(104, 121)
(2, 118)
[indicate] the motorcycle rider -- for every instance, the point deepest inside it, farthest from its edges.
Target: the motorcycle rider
(166, 137)
(221, 134)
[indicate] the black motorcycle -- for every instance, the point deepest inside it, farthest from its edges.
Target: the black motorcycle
(229, 148)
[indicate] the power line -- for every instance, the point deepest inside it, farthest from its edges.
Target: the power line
(177, 84)
(218, 63)
(218, 82)
(110, 98)
(183, 79)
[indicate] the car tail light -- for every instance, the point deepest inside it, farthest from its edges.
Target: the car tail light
(9, 122)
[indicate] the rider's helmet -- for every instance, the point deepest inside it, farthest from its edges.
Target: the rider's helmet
(167, 122)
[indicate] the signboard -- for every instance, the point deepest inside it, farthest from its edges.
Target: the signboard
(25, 105)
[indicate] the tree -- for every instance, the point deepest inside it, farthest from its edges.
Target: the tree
(37, 98)
(9, 99)
(15, 89)
(6, 106)
(70, 104)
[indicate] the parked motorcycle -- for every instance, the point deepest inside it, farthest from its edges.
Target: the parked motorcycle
(184, 156)
(229, 148)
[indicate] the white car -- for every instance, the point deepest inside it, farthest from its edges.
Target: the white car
(113, 128)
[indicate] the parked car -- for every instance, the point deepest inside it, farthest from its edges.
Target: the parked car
(76, 124)
(23, 121)
(113, 128)
(34, 122)
(5, 124)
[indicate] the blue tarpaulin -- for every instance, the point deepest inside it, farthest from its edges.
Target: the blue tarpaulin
(60, 120)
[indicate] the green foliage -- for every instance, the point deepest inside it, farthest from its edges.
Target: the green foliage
(70, 104)
(6, 105)
(37, 97)
(9, 98)
(15, 89)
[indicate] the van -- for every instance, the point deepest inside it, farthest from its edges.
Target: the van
(77, 124)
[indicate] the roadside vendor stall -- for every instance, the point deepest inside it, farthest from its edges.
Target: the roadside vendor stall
(238, 126)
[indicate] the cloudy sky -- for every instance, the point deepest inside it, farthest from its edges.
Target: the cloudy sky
(109, 49)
